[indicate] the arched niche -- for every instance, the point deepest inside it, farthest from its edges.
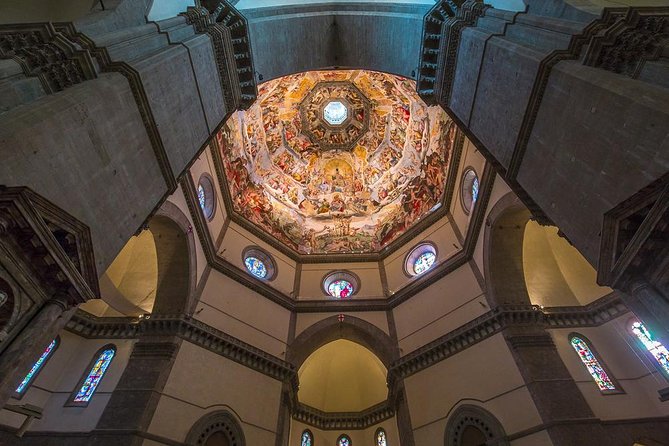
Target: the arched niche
(342, 376)
(219, 428)
(526, 263)
(153, 273)
(471, 425)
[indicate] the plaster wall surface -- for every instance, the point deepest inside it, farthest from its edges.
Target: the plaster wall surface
(237, 239)
(377, 318)
(444, 306)
(54, 385)
(622, 355)
(87, 151)
(202, 382)
(376, 36)
(240, 312)
(434, 393)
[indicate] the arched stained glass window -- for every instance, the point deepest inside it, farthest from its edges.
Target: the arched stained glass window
(36, 368)
(344, 440)
(655, 348)
(380, 437)
(90, 383)
(307, 438)
(596, 370)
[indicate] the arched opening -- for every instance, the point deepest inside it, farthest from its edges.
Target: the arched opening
(472, 436)
(529, 263)
(219, 428)
(342, 376)
(153, 273)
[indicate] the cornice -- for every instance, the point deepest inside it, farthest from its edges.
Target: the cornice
(343, 420)
(196, 332)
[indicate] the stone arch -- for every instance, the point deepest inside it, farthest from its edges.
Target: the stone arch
(503, 252)
(469, 418)
(177, 260)
(351, 328)
(221, 424)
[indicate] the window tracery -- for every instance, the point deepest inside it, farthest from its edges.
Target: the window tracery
(341, 284)
(259, 263)
(420, 259)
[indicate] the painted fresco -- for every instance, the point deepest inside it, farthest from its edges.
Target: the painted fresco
(355, 198)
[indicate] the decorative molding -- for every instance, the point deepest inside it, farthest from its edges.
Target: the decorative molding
(343, 420)
(188, 329)
(219, 421)
(483, 327)
(45, 53)
(634, 236)
(479, 418)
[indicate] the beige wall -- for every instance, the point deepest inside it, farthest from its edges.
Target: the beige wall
(202, 382)
(58, 379)
(377, 318)
(465, 378)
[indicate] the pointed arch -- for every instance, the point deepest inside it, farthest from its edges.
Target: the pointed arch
(605, 381)
(350, 328)
(90, 381)
(469, 421)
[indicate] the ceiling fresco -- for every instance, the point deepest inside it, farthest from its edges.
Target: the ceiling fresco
(337, 161)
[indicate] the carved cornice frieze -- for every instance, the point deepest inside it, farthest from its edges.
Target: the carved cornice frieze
(343, 420)
(45, 53)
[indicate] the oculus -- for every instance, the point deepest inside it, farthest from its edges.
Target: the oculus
(318, 188)
(206, 196)
(335, 112)
(469, 189)
(259, 263)
(341, 284)
(420, 259)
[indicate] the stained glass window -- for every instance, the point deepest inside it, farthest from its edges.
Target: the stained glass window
(3, 298)
(94, 376)
(344, 441)
(202, 197)
(307, 440)
(592, 364)
(475, 189)
(37, 367)
(659, 351)
(340, 289)
(381, 438)
(424, 262)
(256, 267)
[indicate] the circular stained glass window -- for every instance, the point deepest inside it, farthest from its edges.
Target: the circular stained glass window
(340, 289)
(259, 263)
(420, 259)
(307, 439)
(206, 196)
(256, 267)
(341, 284)
(335, 113)
(469, 189)
(344, 441)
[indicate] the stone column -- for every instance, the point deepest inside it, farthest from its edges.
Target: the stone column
(567, 417)
(17, 359)
(134, 401)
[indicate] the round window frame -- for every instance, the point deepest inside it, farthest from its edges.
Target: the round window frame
(207, 183)
(417, 251)
(350, 442)
(335, 275)
(263, 256)
(466, 198)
